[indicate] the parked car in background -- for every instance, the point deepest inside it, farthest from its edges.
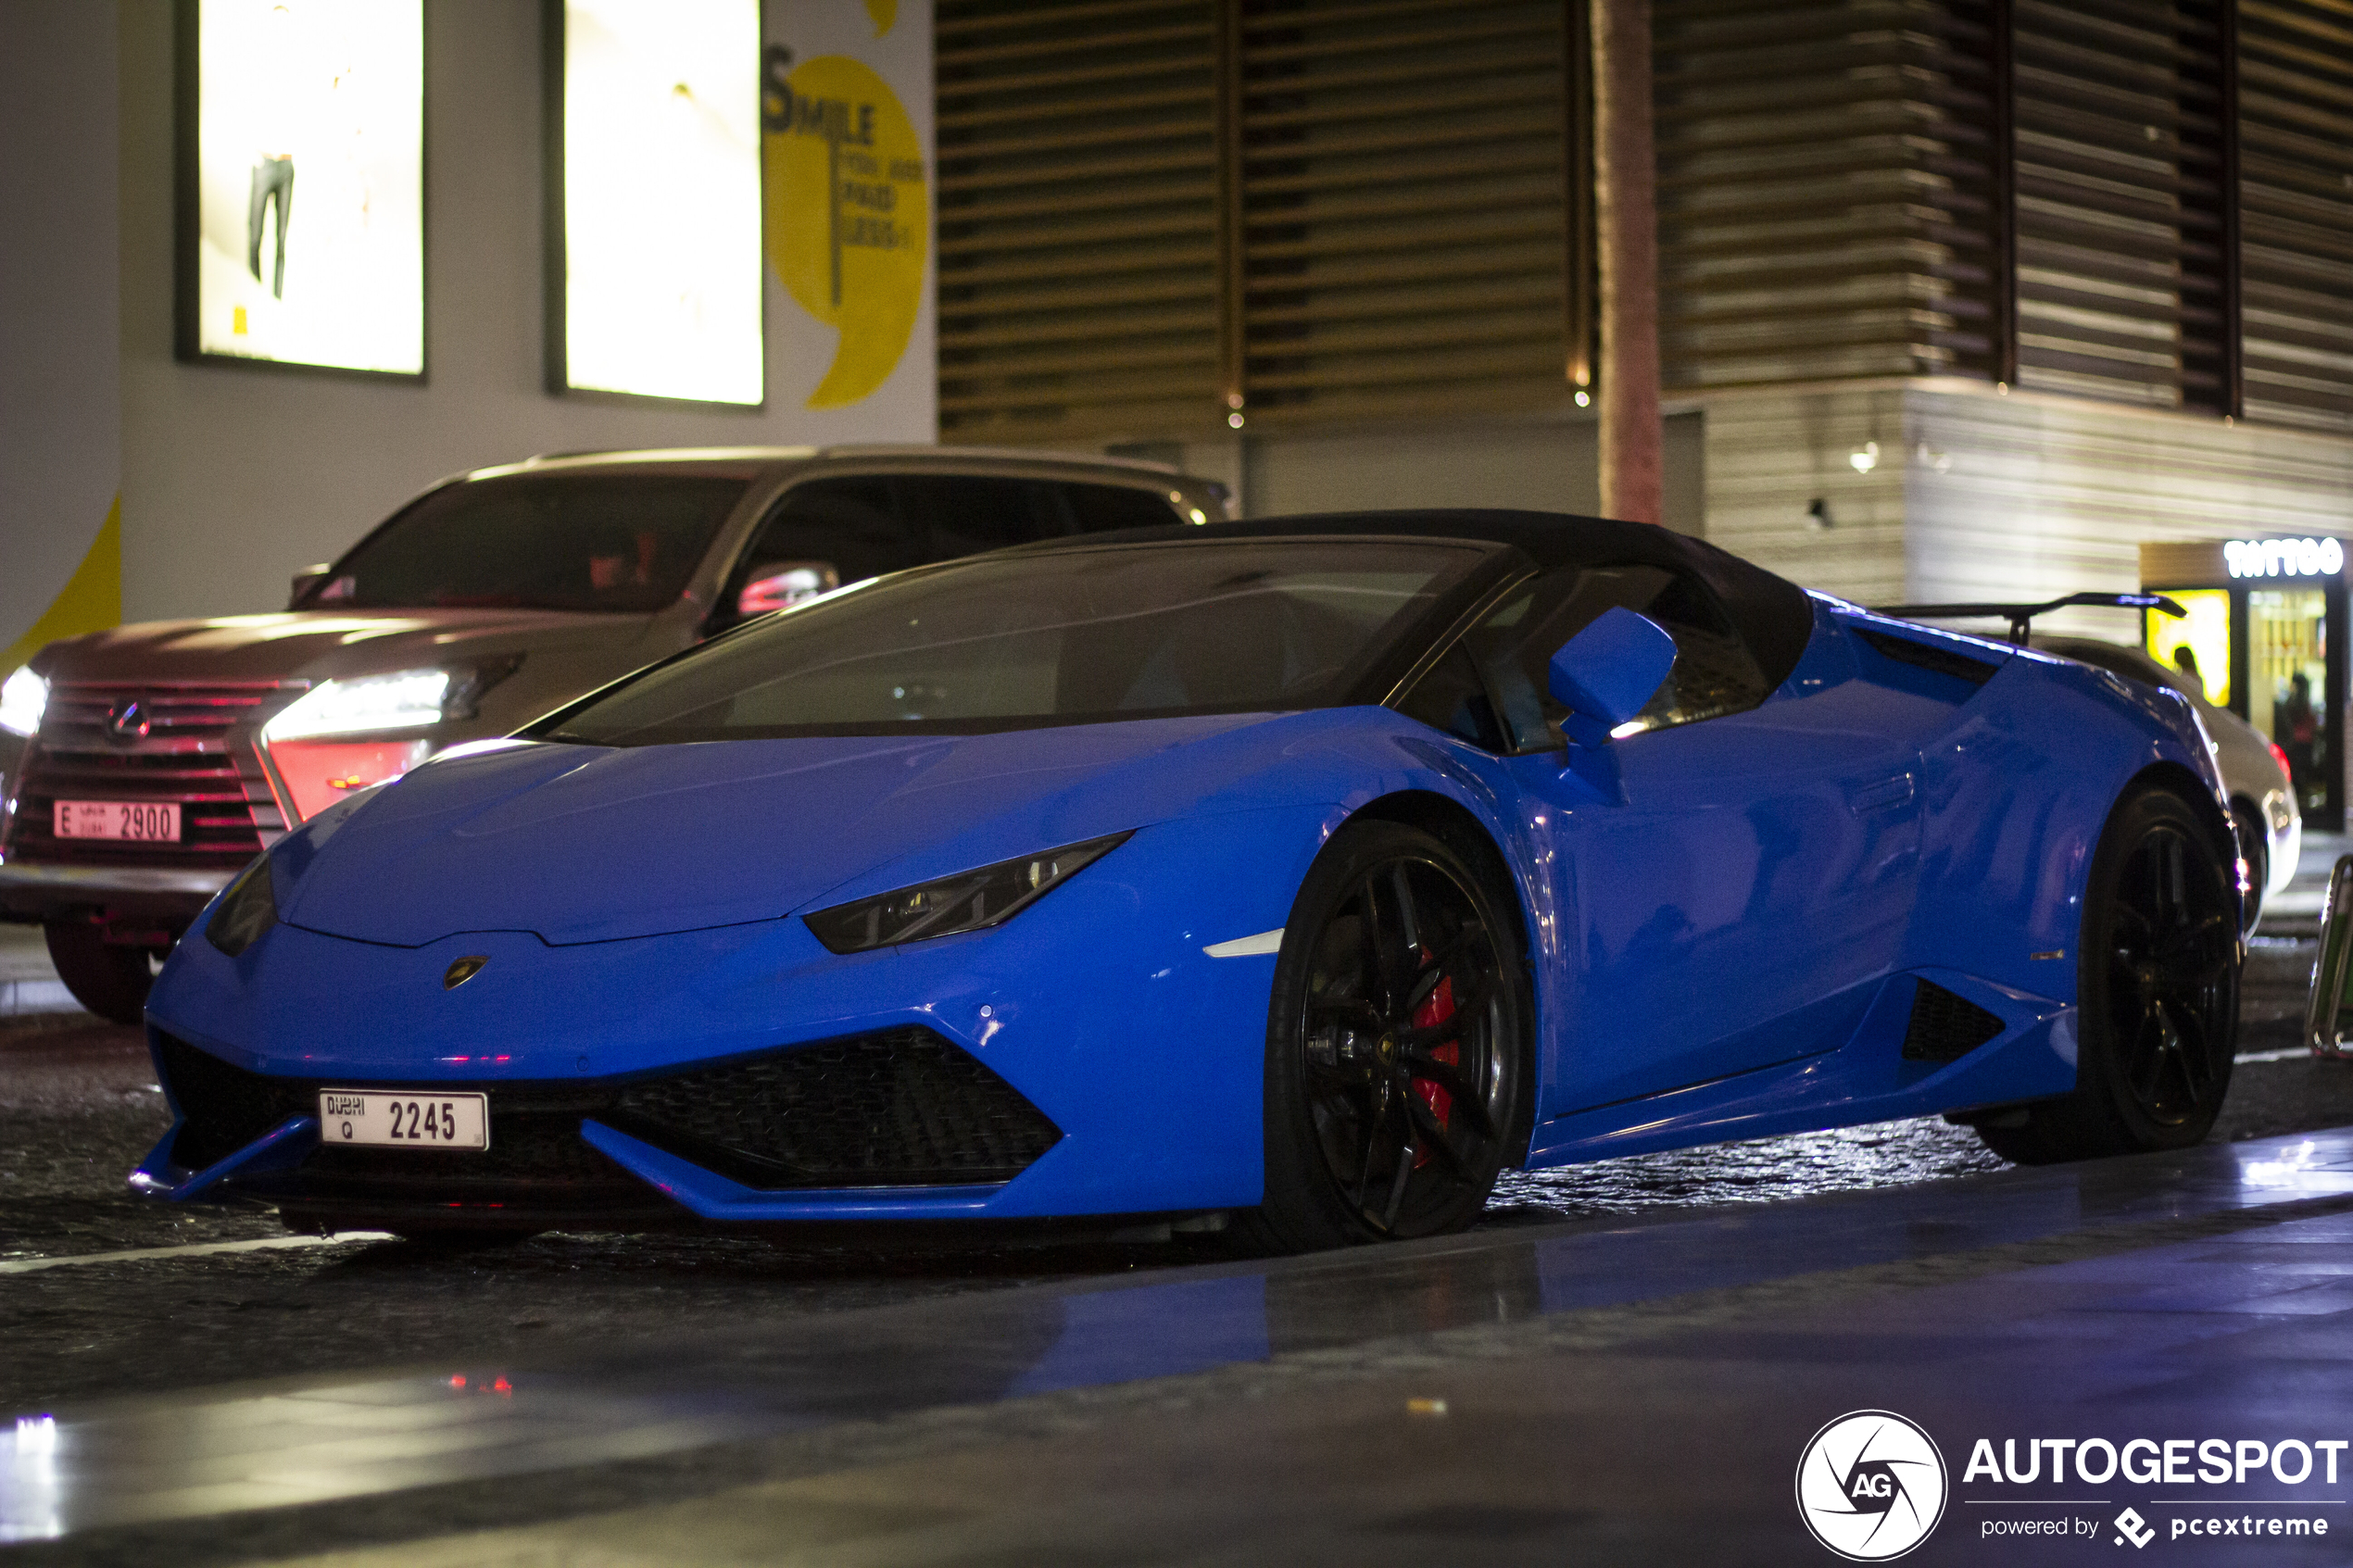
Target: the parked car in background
(160, 757)
(2270, 829)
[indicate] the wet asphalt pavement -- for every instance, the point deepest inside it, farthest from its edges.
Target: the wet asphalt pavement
(79, 1106)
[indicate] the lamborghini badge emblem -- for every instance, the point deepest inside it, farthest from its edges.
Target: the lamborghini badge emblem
(465, 968)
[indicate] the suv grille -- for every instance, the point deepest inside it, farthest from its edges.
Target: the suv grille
(191, 756)
(898, 1108)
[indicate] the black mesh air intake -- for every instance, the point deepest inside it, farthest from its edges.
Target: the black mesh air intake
(227, 1106)
(898, 1108)
(1946, 1027)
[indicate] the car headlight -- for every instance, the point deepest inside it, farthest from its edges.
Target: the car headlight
(22, 697)
(970, 900)
(248, 907)
(365, 705)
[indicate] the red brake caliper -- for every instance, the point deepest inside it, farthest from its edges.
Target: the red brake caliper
(1436, 1009)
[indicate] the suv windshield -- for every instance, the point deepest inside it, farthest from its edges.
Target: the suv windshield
(1065, 636)
(625, 543)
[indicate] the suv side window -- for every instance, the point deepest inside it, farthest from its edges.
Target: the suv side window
(1102, 508)
(962, 515)
(849, 525)
(1714, 675)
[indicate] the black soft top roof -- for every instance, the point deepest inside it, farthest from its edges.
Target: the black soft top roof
(1773, 615)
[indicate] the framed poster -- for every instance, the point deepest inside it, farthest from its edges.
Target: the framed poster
(301, 183)
(654, 236)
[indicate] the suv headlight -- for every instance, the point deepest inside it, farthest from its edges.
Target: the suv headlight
(346, 734)
(22, 697)
(248, 906)
(969, 901)
(364, 705)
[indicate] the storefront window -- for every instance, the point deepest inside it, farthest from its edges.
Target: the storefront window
(2199, 642)
(2287, 681)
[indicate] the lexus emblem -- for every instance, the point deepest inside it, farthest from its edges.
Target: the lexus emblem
(127, 720)
(465, 968)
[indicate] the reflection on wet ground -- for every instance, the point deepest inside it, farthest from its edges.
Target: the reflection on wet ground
(1761, 1171)
(2091, 1295)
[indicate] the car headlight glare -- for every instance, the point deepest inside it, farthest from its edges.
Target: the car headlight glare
(22, 697)
(248, 907)
(364, 705)
(970, 900)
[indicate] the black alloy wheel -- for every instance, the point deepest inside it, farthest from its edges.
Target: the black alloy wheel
(2173, 978)
(2157, 980)
(1397, 1056)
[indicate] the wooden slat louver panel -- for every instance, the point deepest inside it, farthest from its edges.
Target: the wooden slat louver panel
(1077, 156)
(2119, 237)
(2296, 130)
(1404, 199)
(1823, 189)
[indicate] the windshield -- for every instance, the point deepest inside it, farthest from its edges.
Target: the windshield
(1067, 636)
(625, 543)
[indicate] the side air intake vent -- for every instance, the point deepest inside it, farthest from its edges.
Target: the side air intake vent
(1946, 1027)
(1927, 656)
(902, 1107)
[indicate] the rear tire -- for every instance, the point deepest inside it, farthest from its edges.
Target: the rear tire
(1397, 1056)
(2157, 992)
(110, 979)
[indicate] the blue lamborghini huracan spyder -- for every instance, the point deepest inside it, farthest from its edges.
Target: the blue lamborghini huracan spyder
(1290, 878)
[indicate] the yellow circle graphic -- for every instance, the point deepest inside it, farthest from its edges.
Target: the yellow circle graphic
(849, 221)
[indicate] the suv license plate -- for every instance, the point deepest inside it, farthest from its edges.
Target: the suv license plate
(408, 1120)
(144, 821)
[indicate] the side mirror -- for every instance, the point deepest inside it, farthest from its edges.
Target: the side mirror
(2329, 1016)
(1606, 673)
(309, 577)
(780, 585)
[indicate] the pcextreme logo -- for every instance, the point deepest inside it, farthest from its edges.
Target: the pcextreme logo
(1870, 1486)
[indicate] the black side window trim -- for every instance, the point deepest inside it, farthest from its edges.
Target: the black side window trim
(1927, 656)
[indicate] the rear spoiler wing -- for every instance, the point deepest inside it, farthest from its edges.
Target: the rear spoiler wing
(2021, 616)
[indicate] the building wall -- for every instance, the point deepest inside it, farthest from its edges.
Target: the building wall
(60, 456)
(233, 477)
(1534, 465)
(2030, 497)
(1772, 454)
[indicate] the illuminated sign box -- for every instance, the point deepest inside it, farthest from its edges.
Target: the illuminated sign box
(2283, 558)
(654, 240)
(301, 183)
(2213, 562)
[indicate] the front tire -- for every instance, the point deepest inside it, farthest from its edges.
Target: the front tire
(110, 979)
(2156, 988)
(1397, 1056)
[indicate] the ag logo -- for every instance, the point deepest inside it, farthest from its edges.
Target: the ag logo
(1870, 1486)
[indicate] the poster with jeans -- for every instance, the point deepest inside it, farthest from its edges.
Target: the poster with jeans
(323, 97)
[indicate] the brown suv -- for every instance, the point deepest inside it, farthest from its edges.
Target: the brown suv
(165, 756)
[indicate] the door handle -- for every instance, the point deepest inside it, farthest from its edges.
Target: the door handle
(1881, 796)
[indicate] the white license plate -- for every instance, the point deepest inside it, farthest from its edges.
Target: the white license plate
(404, 1121)
(144, 821)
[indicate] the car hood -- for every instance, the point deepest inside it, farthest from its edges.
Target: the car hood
(316, 644)
(591, 844)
